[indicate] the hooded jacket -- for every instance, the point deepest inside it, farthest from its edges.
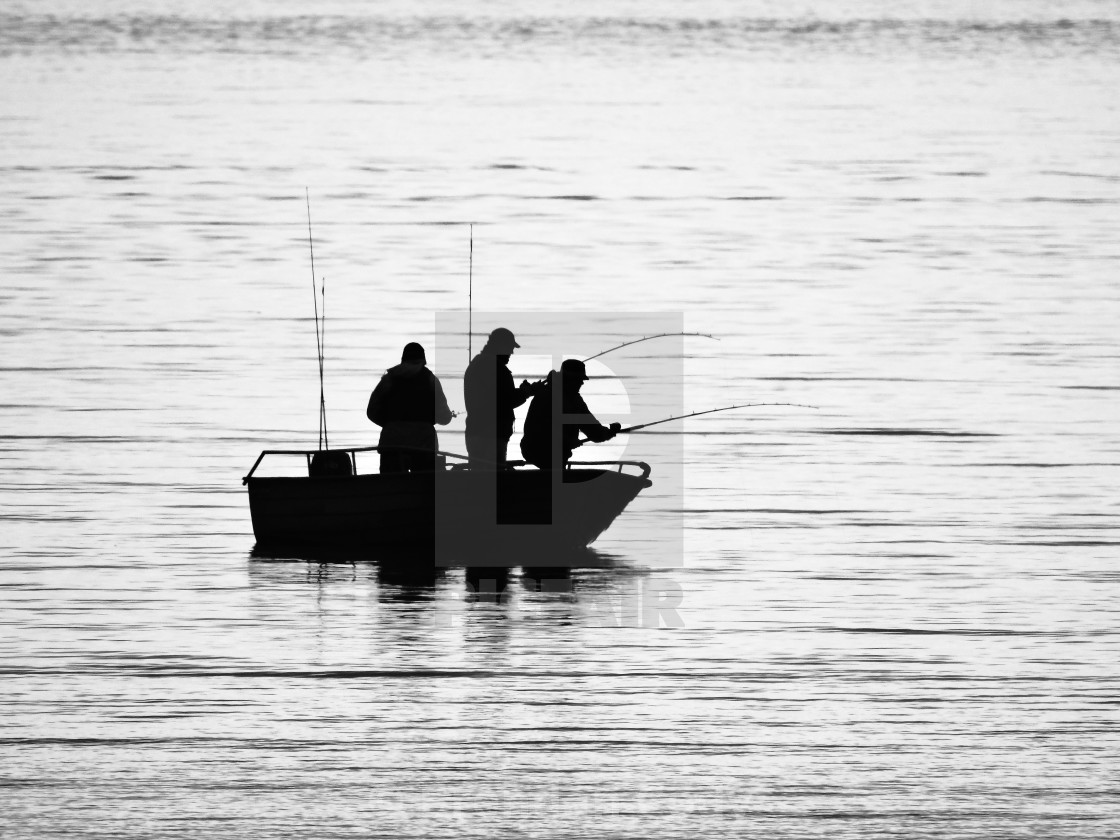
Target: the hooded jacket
(407, 404)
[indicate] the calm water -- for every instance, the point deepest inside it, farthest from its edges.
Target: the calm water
(899, 610)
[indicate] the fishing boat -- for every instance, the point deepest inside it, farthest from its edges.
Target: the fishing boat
(457, 513)
(461, 513)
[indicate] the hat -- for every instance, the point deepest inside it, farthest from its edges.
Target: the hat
(502, 339)
(573, 370)
(414, 352)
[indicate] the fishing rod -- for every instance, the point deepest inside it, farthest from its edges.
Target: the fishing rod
(709, 411)
(640, 340)
(322, 396)
(696, 414)
(470, 296)
(648, 338)
(319, 340)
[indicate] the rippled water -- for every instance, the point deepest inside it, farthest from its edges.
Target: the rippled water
(898, 610)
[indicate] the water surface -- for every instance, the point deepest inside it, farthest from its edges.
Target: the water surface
(899, 610)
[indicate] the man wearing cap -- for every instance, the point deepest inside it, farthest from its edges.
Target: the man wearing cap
(406, 404)
(490, 397)
(561, 396)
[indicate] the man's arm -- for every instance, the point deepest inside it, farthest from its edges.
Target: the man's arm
(592, 428)
(376, 405)
(597, 432)
(509, 394)
(442, 414)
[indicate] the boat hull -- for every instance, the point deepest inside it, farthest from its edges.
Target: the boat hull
(458, 515)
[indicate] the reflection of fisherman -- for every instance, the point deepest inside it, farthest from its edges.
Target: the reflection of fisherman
(491, 397)
(406, 404)
(561, 396)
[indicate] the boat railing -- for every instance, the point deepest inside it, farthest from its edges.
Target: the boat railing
(352, 451)
(642, 465)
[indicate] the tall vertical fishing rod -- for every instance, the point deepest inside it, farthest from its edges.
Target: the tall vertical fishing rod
(319, 340)
(323, 344)
(470, 297)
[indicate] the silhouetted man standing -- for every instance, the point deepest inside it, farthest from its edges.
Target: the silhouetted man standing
(549, 435)
(490, 398)
(407, 404)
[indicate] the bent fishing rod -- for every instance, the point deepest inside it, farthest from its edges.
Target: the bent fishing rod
(541, 382)
(648, 338)
(639, 341)
(710, 411)
(640, 426)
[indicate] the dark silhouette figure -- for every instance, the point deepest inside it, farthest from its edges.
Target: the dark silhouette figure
(407, 404)
(559, 409)
(490, 398)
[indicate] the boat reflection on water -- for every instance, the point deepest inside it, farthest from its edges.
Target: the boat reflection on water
(409, 574)
(399, 603)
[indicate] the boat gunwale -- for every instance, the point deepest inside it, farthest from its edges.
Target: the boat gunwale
(351, 450)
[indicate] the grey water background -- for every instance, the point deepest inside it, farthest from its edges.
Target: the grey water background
(899, 611)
